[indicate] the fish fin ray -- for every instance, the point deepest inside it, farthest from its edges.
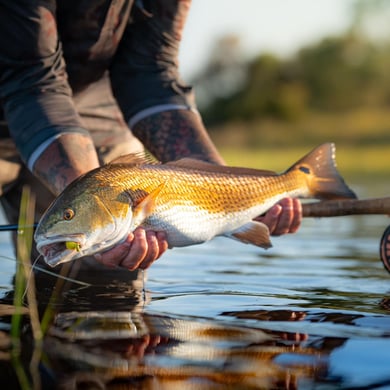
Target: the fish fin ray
(134, 159)
(146, 206)
(253, 232)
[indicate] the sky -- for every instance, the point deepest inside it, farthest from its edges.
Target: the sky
(279, 26)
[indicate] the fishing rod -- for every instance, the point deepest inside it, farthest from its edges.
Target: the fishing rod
(340, 207)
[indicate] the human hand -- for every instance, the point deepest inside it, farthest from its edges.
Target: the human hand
(284, 217)
(140, 249)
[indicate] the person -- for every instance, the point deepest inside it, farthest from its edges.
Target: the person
(83, 82)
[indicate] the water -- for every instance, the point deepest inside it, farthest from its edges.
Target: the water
(313, 312)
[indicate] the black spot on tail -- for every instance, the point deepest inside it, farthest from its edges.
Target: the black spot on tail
(304, 169)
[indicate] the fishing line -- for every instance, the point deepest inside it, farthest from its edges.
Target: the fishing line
(14, 227)
(58, 276)
(51, 273)
(29, 276)
(143, 286)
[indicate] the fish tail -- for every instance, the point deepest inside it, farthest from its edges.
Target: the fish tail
(321, 175)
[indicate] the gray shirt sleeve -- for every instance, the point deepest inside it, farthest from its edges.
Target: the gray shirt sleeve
(34, 91)
(144, 72)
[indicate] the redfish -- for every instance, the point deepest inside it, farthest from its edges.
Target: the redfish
(190, 200)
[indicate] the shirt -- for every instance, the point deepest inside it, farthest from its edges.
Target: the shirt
(52, 49)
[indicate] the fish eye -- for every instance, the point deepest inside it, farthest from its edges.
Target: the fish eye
(68, 214)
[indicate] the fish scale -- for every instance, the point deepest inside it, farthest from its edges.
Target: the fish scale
(217, 193)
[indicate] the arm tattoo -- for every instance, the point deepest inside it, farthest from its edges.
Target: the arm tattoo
(64, 160)
(170, 135)
(57, 170)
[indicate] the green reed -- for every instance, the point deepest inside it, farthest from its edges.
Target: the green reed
(25, 286)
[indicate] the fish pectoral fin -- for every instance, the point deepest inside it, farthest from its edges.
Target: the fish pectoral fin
(146, 206)
(255, 233)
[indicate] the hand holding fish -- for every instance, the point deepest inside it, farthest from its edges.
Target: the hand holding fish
(283, 218)
(139, 250)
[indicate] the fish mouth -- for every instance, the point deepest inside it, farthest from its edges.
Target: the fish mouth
(55, 249)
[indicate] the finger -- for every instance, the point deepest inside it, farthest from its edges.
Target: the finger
(271, 218)
(285, 218)
(162, 240)
(113, 257)
(157, 245)
(152, 251)
(137, 252)
(297, 216)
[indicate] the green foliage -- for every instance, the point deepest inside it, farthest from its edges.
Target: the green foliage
(346, 72)
(271, 88)
(362, 139)
(335, 74)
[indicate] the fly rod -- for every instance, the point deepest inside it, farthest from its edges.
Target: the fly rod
(340, 207)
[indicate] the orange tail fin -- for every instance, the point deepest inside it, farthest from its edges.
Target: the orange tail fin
(323, 179)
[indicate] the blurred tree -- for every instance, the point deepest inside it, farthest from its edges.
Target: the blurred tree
(371, 18)
(337, 73)
(271, 88)
(345, 72)
(224, 73)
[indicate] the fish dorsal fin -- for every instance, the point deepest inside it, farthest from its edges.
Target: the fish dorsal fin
(134, 159)
(253, 232)
(204, 166)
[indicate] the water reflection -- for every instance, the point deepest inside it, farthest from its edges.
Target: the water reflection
(104, 336)
(180, 353)
(105, 339)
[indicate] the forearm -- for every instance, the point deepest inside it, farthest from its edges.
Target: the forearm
(65, 159)
(145, 77)
(174, 134)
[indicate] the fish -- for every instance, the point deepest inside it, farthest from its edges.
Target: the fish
(192, 201)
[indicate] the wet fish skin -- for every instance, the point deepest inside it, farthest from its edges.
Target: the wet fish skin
(191, 200)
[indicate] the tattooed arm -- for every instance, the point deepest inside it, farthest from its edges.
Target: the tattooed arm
(170, 135)
(64, 160)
